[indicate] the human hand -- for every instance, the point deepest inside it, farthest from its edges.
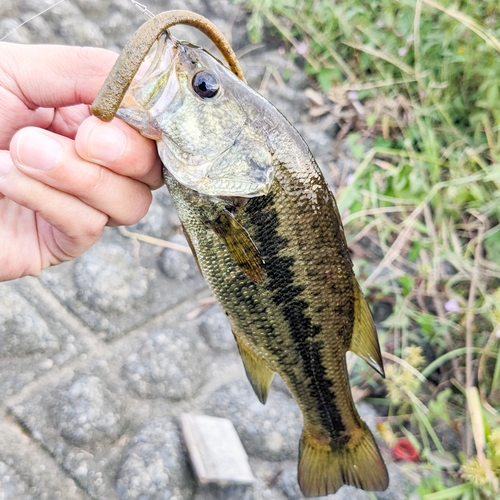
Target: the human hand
(64, 175)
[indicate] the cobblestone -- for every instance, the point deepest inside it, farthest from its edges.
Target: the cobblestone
(154, 465)
(111, 281)
(176, 265)
(216, 330)
(169, 364)
(87, 410)
(22, 330)
(271, 432)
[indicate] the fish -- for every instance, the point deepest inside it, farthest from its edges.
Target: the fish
(267, 236)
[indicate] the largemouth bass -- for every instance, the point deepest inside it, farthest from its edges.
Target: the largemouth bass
(267, 236)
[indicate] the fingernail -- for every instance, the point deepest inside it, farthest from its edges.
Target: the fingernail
(38, 150)
(5, 163)
(106, 142)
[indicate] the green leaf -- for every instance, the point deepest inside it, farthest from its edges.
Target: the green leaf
(450, 493)
(255, 27)
(325, 77)
(492, 246)
(407, 283)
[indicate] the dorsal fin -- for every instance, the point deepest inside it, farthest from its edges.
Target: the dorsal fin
(364, 342)
(258, 373)
(239, 244)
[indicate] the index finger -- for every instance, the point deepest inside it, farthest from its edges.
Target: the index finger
(53, 76)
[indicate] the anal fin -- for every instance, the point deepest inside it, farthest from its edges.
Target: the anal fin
(239, 244)
(364, 342)
(258, 373)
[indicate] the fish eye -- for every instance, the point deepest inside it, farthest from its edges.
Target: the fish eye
(205, 84)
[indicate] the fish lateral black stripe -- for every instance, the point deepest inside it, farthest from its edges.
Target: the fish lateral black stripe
(305, 335)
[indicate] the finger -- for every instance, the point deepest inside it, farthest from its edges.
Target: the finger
(53, 76)
(52, 160)
(77, 226)
(5, 166)
(66, 121)
(14, 116)
(35, 79)
(121, 149)
(19, 246)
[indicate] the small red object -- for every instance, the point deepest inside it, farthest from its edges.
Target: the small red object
(404, 450)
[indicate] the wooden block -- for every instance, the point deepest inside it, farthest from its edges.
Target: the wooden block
(215, 450)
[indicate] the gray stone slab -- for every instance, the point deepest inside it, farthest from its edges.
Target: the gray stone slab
(215, 450)
(80, 417)
(215, 328)
(154, 465)
(167, 363)
(271, 431)
(27, 472)
(263, 488)
(86, 415)
(118, 285)
(36, 335)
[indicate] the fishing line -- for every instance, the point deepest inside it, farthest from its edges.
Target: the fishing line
(31, 19)
(118, 81)
(142, 8)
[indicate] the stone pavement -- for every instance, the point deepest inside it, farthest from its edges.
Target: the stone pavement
(100, 356)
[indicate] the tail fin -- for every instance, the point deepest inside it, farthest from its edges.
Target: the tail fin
(323, 469)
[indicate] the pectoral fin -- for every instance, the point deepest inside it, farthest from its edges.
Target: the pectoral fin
(239, 244)
(258, 373)
(364, 342)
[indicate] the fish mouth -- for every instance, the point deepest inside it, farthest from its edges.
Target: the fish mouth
(153, 89)
(160, 58)
(152, 85)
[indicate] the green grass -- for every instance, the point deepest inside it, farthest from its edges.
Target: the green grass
(426, 77)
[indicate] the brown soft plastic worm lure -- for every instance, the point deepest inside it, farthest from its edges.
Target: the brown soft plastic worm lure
(110, 96)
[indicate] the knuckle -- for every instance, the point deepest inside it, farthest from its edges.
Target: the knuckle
(94, 226)
(96, 180)
(96, 60)
(139, 209)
